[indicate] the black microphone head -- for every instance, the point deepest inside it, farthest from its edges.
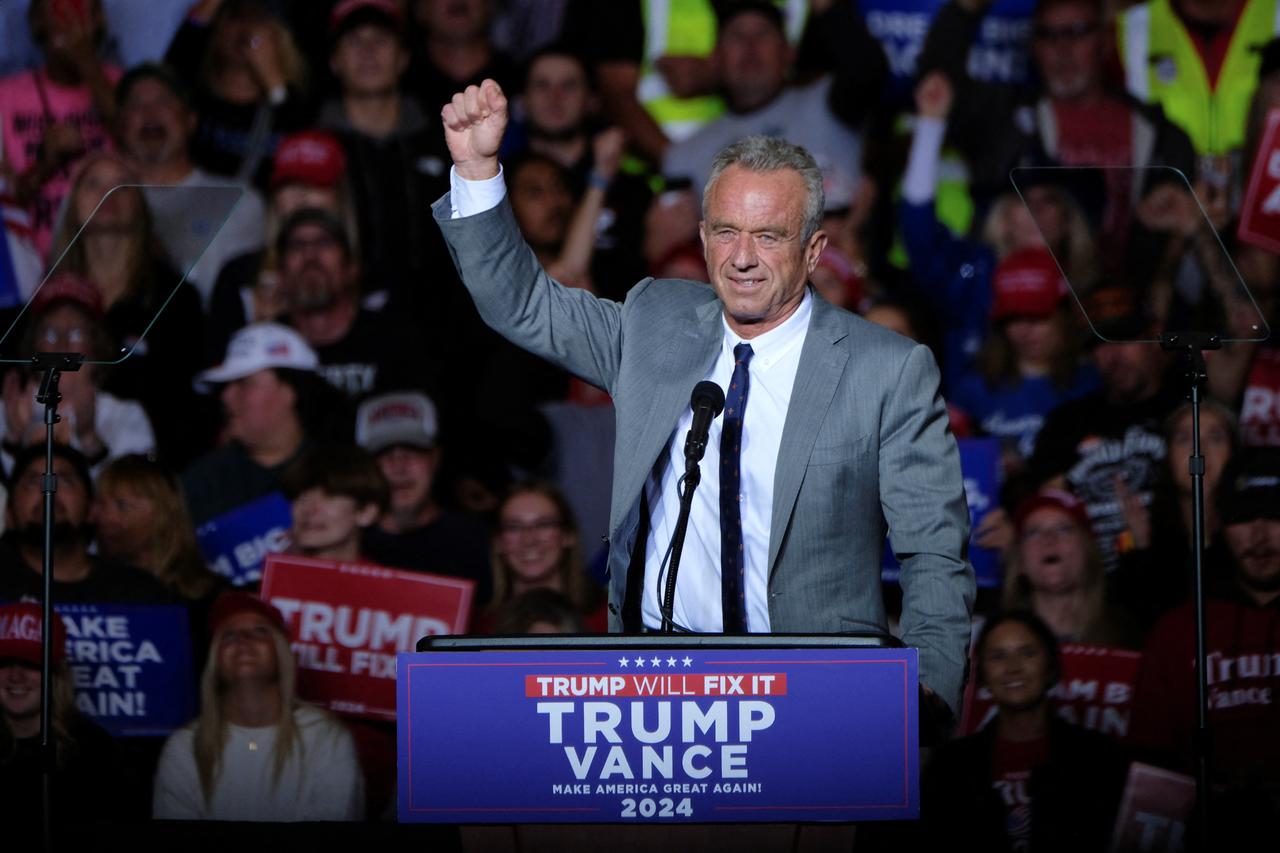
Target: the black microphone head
(708, 393)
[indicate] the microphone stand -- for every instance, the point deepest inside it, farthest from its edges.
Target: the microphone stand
(1191, 346)
(692, 477)
(53, 364)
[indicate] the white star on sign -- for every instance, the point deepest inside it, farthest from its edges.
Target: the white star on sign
(688, 661)
(622, 661)
(671, 661)
(656, 661)
(639, 661)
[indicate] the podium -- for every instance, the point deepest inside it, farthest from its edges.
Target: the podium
(657, 739)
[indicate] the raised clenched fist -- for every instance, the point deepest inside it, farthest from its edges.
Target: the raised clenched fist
(474, 122)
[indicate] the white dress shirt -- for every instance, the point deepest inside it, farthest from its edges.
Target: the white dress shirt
(775, 360)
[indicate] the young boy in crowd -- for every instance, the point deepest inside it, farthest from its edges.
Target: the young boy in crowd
(336, 492)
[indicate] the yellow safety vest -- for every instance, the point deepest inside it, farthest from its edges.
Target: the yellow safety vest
(688, 28)
(1162, 66)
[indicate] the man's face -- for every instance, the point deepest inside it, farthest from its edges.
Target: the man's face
(753, 58)
(1255, 545)
(257, 406)
(70, 501)
(368, 60)
(314, 269)
(556, 95)
(410, 472)
(542, 204)
(756, 258)
(155, 125)
(1067, 43)
(1130, 371)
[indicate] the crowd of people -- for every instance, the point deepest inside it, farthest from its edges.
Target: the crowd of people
(226, 207)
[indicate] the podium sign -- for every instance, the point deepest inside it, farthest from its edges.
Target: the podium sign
(674, 734)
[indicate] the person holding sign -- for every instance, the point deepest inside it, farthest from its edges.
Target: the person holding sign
(87, 783)
(845, 436)
(1028, 780)
(256, 753)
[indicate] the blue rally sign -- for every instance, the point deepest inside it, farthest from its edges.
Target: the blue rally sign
(676, 735)
(131, 664)
(236, 544)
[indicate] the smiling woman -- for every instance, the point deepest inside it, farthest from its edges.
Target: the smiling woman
(1028, 780)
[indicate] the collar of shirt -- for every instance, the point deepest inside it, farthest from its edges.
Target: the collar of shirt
(769, 348)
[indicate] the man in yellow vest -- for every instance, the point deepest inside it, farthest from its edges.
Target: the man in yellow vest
(1199, 60)
(652, 61)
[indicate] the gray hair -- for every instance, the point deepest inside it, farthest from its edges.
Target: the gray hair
(770, 154)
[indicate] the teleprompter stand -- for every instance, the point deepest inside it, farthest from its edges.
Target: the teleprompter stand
(52, 365)
(1191, 347)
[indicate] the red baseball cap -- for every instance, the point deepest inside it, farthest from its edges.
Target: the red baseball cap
(312, 157)
(234, 603)
(68, 287)
(1027, 283)
(1057, 499)
(20, 628)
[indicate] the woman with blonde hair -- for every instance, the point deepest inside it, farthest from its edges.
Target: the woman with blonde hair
(141, 519)
(537, 546)
(106, 237)
(256, 753)
(1055, 570)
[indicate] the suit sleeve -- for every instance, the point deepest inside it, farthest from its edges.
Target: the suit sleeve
(922, 497)
(516, 298)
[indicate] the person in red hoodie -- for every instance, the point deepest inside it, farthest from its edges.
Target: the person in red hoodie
(1242, 640)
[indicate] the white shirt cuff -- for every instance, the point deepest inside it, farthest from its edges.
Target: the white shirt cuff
(467, 198)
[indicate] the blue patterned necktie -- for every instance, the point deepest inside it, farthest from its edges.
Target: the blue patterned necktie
(733, 589)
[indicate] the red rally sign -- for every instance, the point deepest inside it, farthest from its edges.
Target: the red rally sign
(348, 622)
(1260, 212)
(1095, 692)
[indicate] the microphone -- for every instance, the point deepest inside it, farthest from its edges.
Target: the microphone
(707, 402)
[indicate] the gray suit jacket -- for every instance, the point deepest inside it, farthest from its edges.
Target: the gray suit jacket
(865, 445)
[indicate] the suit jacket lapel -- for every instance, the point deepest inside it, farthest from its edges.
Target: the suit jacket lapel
(693, 345)
(821, 364)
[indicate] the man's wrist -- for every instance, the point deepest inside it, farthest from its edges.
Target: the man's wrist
(477, 170)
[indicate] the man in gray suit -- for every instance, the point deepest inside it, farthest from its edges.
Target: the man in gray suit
(834, 428)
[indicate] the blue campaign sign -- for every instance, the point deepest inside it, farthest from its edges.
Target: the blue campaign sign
(980, 468)
(131, 665)
(237, 543)
(674, 735)
(999, 54)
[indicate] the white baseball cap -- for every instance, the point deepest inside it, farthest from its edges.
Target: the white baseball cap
(260, 346)
(399, 418)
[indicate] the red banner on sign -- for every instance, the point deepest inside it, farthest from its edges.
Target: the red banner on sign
(1096, 692)
(1154, 811)
(348, 621)
(1260, 211)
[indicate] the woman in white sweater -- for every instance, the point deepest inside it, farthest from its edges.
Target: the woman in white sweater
(256, 753)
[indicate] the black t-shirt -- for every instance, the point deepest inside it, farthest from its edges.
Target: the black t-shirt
(383, 351)
(454, 544)
(108, 581)
(226, 478)
(161, 367)
(94, 785)
(1091, 442)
